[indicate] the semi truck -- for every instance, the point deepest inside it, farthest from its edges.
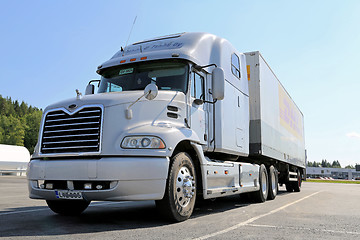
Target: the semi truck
(175, 119)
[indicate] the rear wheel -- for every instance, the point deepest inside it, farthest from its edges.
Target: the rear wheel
(180, 193)
(68, 207)
(297, 184)
(289, 186)
(273, 183)
(262, 194)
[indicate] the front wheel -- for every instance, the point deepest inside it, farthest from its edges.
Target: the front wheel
(68, 207)
(180, 193)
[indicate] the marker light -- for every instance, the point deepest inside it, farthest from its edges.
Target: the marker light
(142, 142)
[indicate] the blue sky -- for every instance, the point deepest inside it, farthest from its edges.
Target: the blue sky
(50, 48)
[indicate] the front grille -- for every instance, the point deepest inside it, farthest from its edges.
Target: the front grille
(72, 133)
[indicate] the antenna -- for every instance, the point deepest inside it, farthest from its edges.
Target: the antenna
(129, 35)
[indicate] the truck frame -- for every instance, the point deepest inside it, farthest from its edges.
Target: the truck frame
(175, 119)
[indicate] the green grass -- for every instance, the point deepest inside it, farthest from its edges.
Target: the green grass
(332, 181)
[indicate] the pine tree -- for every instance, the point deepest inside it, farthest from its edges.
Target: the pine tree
(19, 123)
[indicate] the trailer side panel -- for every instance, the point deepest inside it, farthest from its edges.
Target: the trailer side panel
(276, 123)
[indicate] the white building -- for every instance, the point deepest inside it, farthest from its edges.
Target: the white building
(336, 173)
(13, 159)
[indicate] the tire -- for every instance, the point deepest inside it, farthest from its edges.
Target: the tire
(261, 195)
(180, 193)
(297, 185)
(289, 186)
(68, 207)
(273, 183)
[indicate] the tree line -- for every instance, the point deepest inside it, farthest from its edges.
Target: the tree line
(19, 123)
(324, 163)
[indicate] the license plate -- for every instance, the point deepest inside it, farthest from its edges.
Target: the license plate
(68, 194)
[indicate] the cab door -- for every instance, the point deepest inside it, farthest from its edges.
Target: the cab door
(198, 112)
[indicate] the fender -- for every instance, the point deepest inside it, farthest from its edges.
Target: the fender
(171, 134)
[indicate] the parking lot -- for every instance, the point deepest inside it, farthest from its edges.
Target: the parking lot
(319, 211)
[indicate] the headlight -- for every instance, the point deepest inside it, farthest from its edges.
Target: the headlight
(143, 142)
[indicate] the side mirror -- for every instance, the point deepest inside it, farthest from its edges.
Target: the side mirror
(218, 83)
(151, 91)
(89, 89)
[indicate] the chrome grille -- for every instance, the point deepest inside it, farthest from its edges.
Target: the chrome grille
(72, 133)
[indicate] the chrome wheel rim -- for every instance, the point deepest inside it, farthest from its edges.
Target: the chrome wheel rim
(273, 182)
(263, 183)
(185, 187)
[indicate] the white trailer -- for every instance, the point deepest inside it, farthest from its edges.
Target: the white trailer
(276, 123)
(170, 123)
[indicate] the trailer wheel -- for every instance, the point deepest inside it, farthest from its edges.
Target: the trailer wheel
(261, 195)
(180, 193)
(68, 207)
(289, 186)
(297, 185)
(273, 183)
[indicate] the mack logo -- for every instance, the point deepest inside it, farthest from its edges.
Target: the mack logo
(72, 106)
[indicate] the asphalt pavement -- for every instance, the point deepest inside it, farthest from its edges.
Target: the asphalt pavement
(319, 211)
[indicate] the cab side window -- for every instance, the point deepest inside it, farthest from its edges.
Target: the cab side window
(197, 88)
(235, 65)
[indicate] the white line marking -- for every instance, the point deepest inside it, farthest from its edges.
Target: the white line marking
(46, 208)
(252, 219)
(307, 229)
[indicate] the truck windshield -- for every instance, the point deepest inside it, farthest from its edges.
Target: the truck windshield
(166, 75)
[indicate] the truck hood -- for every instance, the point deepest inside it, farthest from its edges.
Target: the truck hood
(114, 98)
(163, 117)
